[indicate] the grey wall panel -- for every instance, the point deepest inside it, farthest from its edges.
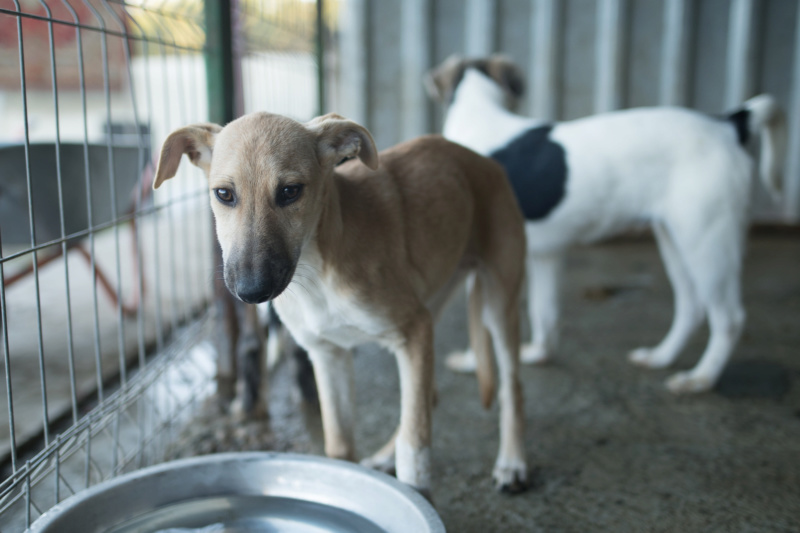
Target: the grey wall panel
(416, 51)
(449, 27)
(514, 34)
(643, 53)
(577, 71)
(352, 77)
(544, 82)
(385, 69)
(698, 53)
(773, 63)
(710, 40)
(791, 208)
(775, 54)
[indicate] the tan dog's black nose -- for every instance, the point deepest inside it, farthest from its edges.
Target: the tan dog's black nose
(255, 285)
(256, 272)
(253, 292)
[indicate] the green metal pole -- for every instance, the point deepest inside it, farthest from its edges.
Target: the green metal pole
(220, 61)
(220, 83)
(320, 58)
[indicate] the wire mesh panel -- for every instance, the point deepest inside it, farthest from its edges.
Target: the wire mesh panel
(105, 283)
(98, 272)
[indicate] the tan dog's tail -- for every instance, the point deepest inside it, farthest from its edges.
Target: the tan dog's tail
(480, 341)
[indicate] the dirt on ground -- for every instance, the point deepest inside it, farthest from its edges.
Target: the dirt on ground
(610, 449)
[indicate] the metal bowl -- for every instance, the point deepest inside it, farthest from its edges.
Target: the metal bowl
(246, 492)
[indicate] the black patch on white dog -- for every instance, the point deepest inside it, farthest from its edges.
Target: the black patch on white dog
(741, 123)
(537, 169)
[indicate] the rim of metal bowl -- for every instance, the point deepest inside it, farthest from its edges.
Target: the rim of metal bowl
(227, 469)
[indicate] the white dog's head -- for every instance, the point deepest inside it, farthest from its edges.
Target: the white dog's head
(442, 81)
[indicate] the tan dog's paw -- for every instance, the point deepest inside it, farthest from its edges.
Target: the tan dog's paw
(463, 362)
(510, 477)
(381, 463)
(687, 383)
(533, 354)
(648, 358)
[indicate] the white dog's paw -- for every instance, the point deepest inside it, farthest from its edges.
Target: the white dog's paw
(382, 463)
(462, 362)
(532, 354)
(649, 358)
(688, 383)
(510, 477)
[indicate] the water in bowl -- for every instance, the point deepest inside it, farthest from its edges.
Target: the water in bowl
(248, 514)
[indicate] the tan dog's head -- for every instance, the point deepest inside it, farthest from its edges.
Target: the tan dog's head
(441, 82)
(268, 180)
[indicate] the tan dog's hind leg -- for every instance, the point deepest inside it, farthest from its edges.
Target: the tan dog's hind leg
(501, 316)
(333, 371)
(413, 442)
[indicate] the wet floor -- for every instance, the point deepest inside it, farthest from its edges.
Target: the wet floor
(609, 448)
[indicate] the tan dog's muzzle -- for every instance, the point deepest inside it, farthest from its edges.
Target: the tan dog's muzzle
(256, 277)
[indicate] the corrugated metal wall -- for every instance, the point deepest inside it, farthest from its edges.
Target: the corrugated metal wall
(581, 57)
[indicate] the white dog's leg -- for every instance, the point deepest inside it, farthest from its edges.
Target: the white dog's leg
(463, 361)
(544, 274)
(718, 283)
(713, 260)
(688, 309)
(726, 323)
(333, 371)
(413, 442)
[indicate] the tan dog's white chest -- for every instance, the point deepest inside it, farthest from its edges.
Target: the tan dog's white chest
(315, 306)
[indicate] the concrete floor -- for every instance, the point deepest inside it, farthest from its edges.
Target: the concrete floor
(610, 449)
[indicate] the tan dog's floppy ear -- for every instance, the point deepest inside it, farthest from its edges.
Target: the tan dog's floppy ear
(339, 138)
(196, 141)
(440, 81)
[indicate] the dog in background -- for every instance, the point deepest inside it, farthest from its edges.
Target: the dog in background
(280, 346)
(686, 174)
(365, 252)
(246, 332)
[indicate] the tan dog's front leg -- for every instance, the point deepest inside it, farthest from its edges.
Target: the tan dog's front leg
(413, 442)
(333, 370)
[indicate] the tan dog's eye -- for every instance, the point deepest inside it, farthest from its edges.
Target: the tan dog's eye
(224, 195)
(288, 194)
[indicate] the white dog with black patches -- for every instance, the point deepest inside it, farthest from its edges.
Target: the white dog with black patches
(686, 174)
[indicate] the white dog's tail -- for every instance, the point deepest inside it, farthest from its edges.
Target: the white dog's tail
(762, 116)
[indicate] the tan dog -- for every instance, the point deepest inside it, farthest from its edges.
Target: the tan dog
(360, 252)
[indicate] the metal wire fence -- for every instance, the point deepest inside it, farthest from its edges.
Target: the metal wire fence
(103, 281)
